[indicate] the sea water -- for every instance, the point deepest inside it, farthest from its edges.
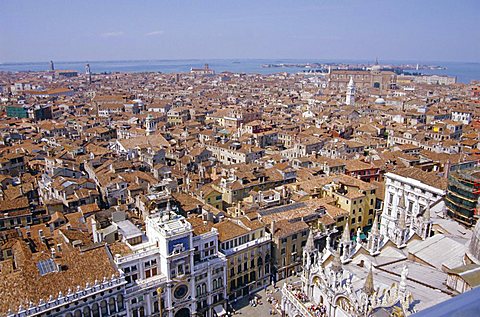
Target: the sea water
(464, 71)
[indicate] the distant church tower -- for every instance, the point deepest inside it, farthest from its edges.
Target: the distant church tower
(88, 73)
(350, 100)
(150, 124)
(52, 67)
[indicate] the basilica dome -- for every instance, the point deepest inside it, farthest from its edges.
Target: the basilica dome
(379, 101)
(376, 68)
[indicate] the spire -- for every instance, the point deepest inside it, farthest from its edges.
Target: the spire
(359, 237)
(375, 225)
(368, 287)
(346, 233)
(351, 83)
(350, 97)
(310, 244)
(337, 262)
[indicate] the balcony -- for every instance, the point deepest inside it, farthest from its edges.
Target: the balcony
(300, 306)
(145, 252)
(247, 245)
(154, 281)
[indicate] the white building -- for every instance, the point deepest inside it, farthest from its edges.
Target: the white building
(412, 191)
(186, 270)
(462, 116)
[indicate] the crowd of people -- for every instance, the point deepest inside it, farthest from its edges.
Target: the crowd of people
(318, 310)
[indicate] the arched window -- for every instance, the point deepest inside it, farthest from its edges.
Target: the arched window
(220, 282)
(111, 305)
(86, 311)
(215, 285)
(120, 301)
(68, 315)
(204, 288)
(78, 313)
(199, 290)
(103, 307)
(267, 268)
(95, 310)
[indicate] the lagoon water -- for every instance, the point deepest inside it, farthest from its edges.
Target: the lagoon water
(464, 71)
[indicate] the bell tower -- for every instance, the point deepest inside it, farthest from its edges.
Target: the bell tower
(350, 99)
(88, 74)
(150, 124)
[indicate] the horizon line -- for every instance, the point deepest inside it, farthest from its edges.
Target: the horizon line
(306, 59)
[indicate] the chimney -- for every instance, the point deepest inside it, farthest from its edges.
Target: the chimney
(19, 232)
(446, 169)
(272, 228)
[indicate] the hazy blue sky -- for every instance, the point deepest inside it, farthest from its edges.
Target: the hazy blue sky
(429, 30)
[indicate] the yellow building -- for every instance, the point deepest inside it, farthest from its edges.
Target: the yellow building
(246, 246)
(288, 240)
(355, 196)
(211, 196)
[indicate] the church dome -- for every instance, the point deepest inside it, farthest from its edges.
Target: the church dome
(380, 101)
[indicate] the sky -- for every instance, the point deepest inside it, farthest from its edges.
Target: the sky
(427, 30)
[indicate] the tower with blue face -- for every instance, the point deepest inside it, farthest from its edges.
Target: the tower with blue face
(173, 235)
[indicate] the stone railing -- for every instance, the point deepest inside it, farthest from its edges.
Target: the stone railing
(70, 297)
(154, 281)
(292, 299)
(148, 251)
(246, 245)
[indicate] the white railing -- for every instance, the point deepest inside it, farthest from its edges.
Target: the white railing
(296, 302)
(209, 262)
(244, 246)
(150, 250)
(71, 296)
(154, 281)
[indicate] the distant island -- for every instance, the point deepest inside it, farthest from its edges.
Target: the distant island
(353, 66)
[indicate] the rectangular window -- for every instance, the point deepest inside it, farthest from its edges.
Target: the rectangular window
(181, 269)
